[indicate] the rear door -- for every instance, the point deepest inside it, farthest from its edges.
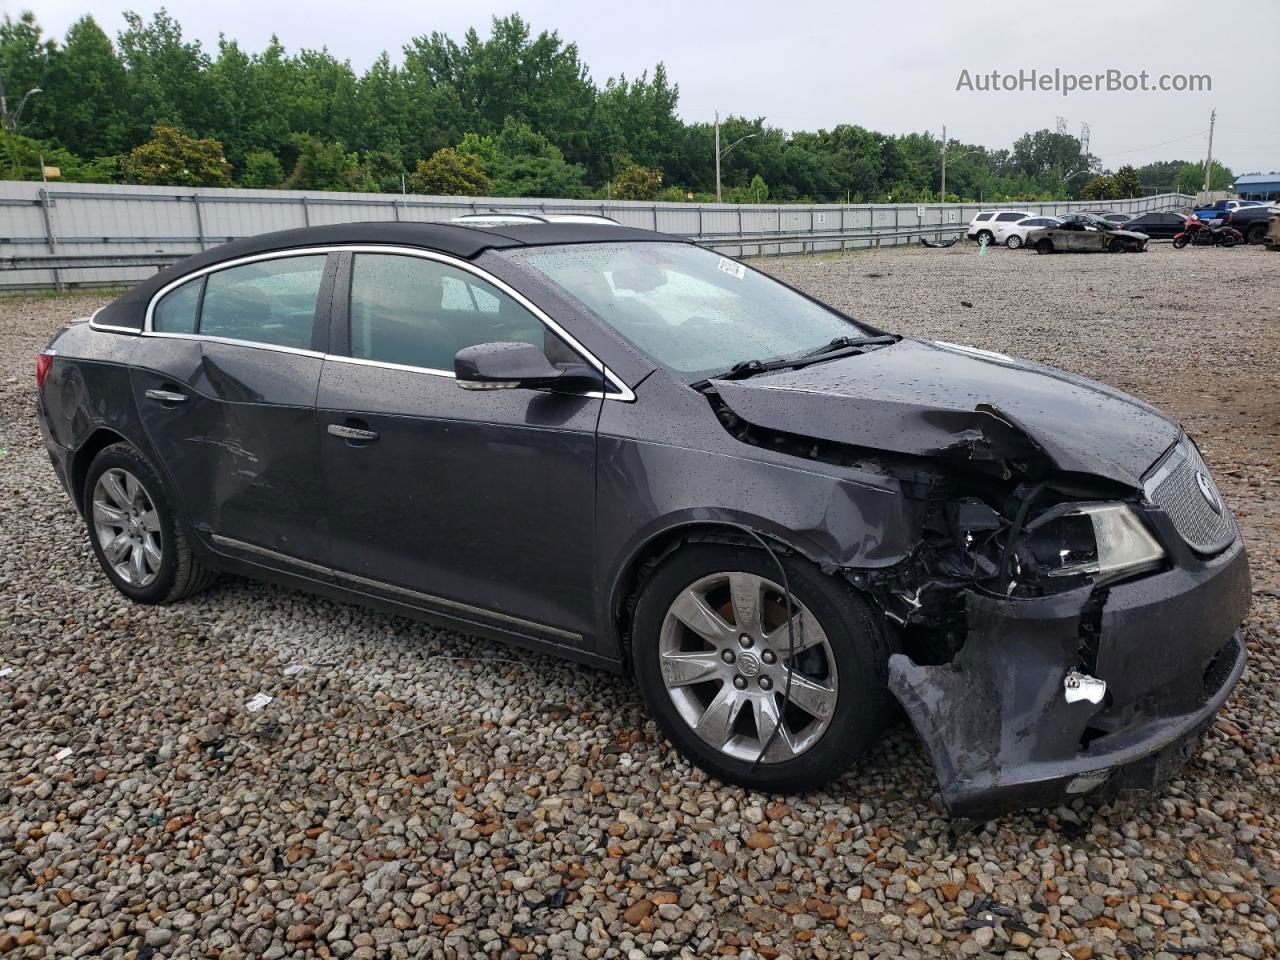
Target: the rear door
(226, 381)
(480, 504)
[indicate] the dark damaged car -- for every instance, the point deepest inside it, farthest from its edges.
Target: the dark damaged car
(619, 447)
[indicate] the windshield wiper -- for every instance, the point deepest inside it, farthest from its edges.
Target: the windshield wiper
(832, 350)
(844, 343)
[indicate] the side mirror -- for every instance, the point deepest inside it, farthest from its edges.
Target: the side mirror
(508, 365)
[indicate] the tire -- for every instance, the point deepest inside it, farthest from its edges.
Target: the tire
(1228, 240)
(1257, 233)
(1179, 241)
(129, 508)
(681, 673)
(1044, 246)
(1115, 245)
(984, 234)
(1013, 242)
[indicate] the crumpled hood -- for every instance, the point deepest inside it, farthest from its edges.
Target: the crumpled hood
(934, 399)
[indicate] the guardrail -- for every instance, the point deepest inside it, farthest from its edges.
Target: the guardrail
(93, 235)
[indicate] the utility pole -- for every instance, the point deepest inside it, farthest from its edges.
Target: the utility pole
(717, 156)
(943, 198)
(1208, 160)
(721, 153)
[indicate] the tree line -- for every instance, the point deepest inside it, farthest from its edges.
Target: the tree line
(513, 114)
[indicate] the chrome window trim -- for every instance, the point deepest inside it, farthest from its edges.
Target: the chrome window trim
(624, 394)
(107, 327)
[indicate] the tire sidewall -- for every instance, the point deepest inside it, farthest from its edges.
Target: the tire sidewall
(857, 644)
(1044, 246)
(127, 457)
(1014, 242)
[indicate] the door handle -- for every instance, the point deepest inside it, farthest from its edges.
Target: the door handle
(352, 433)
(166, 396)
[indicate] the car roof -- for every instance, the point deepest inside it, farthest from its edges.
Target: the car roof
(459, 240)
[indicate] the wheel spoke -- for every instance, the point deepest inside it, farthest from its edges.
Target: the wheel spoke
(152, 550)
(814, 698)
(807, 633)
(137, 563)
(150, 521)
(682, 669)
(117, 548)
(111, 484)
(132, 488)
(716, 723)
(107, 514)
(745, 591)
(767, 717)
(694, 612)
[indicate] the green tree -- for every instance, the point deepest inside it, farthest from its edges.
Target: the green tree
(171, 157)
(1100, 188)
(527, 164)
(1127, 182)
(261, 170)
(637, 183)
(1190, 178)
(166, 74)
(324, 165)
(449, 173)
(87, 90)
(24, 65)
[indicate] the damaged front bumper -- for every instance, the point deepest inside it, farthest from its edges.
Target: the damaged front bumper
(998, 722)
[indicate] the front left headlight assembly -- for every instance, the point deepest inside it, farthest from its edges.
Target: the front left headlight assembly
(1104, 541)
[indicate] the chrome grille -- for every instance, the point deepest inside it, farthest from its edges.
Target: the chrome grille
(1182, 487)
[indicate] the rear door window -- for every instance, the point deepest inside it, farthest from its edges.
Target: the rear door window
(271, 302)
(1009, 217)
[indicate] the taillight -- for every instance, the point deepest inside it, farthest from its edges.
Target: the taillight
(44, 360)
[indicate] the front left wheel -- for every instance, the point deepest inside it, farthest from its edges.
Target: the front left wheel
(134, 532)
(712, 654)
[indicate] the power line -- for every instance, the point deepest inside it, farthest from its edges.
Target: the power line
(1198, 133)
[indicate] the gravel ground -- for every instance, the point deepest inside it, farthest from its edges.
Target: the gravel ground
(415, 792)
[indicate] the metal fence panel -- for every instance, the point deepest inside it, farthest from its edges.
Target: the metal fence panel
(61, 235)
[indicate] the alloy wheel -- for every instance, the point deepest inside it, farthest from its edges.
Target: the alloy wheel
(127, 526)
(723, 656)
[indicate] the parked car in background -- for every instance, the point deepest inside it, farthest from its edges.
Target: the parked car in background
(1014, 235)
(1161, 225)
(614, 445)
(1219, 209)
(1085, 233)
(1111, 216)
(984, 224)
(1252, 220)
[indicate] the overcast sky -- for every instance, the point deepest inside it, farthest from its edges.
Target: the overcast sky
(888, 66)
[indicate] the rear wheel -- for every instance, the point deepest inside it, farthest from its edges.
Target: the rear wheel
(1228, 240)
(711, 653)
(1044, 246)
(133, 530)
(1013, 242)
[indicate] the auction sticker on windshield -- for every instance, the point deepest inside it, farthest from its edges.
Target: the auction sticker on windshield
(733, 268)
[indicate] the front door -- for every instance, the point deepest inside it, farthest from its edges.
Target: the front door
(226, 380)
(480, 504)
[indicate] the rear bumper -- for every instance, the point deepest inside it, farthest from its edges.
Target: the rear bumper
(996, 720)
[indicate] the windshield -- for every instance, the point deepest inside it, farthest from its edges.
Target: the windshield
(693, 311)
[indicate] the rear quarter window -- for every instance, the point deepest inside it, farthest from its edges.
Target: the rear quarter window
(176, 311)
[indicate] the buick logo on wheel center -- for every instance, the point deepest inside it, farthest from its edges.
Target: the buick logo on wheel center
(1206, 489)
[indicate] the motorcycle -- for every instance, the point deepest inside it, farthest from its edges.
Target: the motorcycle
(1196, 231)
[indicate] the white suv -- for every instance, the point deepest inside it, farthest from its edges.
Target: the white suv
(984, 223)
